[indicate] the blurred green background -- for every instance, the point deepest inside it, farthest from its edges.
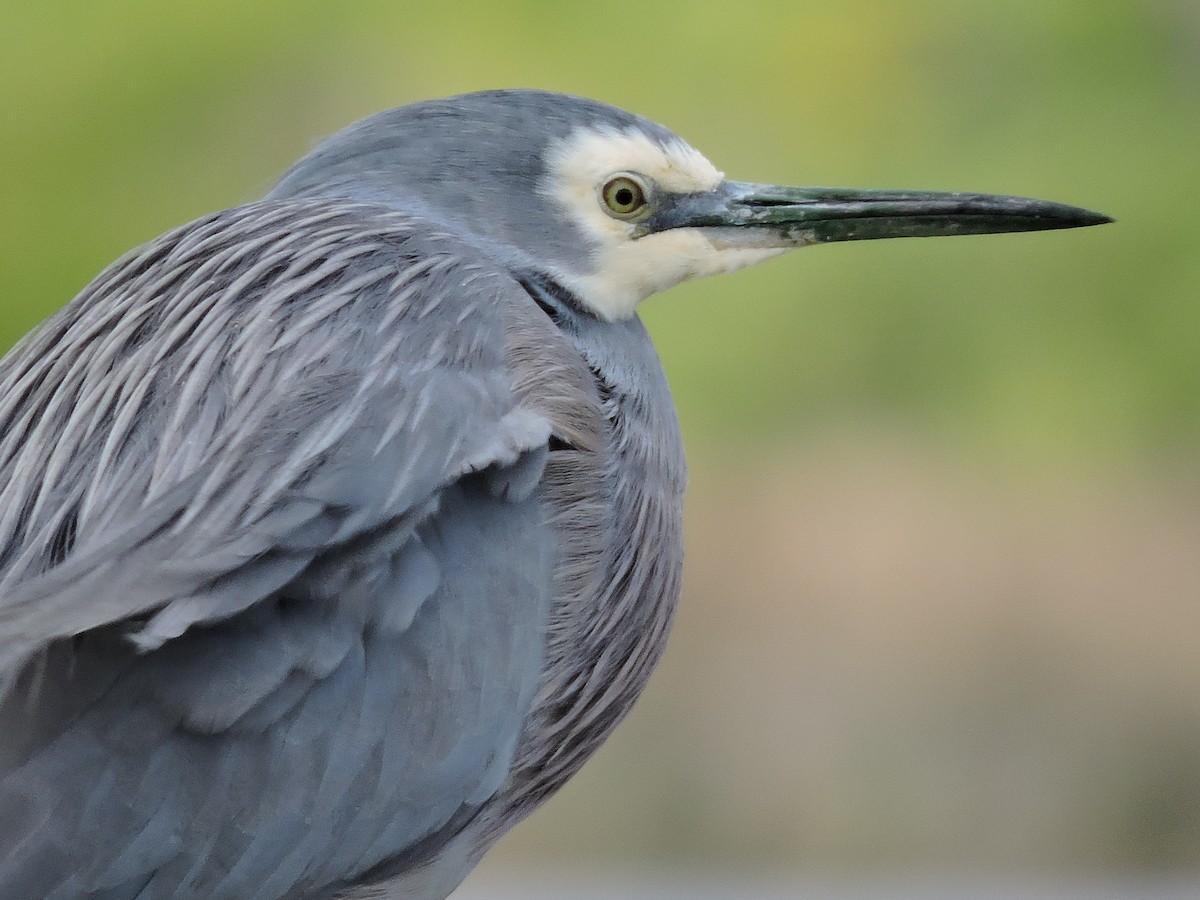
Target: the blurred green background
(942, 608)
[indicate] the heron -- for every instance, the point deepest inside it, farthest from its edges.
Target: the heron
(339, 528)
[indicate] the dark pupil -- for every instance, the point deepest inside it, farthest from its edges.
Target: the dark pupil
(624, 197)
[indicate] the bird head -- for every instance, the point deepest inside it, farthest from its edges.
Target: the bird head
(611, 206)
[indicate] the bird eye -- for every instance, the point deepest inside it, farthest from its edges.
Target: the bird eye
(623, 196)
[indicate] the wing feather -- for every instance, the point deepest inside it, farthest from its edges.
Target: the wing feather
(273, 567)
(343, 428)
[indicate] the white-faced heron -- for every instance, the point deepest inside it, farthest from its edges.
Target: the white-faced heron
(338, 529)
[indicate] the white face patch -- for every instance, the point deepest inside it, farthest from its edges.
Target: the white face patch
(629, 268)
(589, 155)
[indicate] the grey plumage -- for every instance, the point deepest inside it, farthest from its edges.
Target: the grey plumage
(337, 529)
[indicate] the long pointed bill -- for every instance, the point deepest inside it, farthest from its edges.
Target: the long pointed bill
(810, 215)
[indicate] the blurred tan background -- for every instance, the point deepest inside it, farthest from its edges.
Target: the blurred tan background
(942, 605)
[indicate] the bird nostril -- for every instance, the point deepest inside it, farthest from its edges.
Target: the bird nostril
(767, 201)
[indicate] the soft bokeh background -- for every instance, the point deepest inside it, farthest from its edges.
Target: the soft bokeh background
(942, 609)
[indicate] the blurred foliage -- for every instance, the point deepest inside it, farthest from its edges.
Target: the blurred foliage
(1037, 356)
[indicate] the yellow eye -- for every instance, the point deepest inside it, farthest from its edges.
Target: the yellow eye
(623, 196)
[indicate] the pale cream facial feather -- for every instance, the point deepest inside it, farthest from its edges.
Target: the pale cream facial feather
(628, 268)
